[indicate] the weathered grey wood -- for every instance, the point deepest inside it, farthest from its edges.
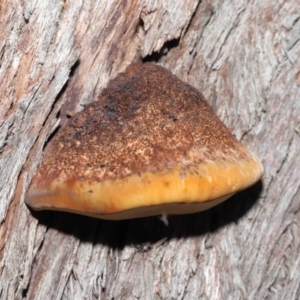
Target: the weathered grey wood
(244, 57)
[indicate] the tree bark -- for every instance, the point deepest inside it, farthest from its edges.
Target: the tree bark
(56, 56)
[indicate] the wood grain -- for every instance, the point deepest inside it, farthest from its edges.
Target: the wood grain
(244, 57)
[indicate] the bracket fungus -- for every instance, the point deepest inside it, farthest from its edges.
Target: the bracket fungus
(150, 145)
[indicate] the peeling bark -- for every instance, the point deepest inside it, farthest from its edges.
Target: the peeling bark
(244, 57)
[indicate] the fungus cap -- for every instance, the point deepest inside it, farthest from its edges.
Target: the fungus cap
(150, 145)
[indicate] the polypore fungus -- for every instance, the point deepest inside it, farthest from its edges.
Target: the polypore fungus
(150, 145)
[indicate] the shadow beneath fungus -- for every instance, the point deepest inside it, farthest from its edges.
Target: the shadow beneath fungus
(142, 233)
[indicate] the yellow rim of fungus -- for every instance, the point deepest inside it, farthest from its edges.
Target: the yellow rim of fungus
(176, 191)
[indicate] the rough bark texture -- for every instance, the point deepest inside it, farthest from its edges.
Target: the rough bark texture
(244, 56)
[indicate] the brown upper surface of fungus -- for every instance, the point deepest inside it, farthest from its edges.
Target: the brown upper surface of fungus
(149, 145)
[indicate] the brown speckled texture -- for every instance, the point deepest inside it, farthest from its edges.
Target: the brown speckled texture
(149, 145)
(145, 120)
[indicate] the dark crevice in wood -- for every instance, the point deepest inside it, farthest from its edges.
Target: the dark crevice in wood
(156, 56)
(140, 24)
(74, 69)
(58, 97)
